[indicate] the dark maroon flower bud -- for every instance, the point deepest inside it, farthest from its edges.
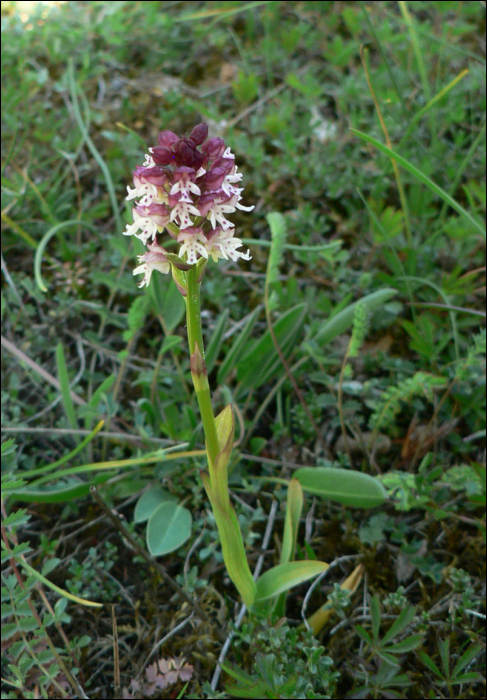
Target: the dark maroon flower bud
(213, 148)
(214, 178)
(185, 153)
(206, 202)
(156, 176)
(199, 134)
(167, 139)
(182, 171)
(162, 156)
(226, 164)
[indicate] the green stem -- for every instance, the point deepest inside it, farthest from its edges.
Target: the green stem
(198, 368)
(216, 483)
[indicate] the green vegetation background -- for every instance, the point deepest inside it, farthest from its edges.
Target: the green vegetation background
(86, 86)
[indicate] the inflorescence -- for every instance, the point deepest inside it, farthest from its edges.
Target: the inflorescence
(183, 185)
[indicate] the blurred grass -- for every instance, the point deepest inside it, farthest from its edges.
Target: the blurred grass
(85, 85)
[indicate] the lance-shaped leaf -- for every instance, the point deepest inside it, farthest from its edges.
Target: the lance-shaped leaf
(232, 545)
(343, 320)
(294, 508)
(343, 485)
(262, 361)
(225, 429)
(284, 576)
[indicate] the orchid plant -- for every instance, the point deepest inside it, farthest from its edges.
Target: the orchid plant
(186, 187)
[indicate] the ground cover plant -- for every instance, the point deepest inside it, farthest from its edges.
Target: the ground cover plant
(351, 347)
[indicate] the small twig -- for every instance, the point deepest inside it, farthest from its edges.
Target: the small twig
(146, 556)
(318, 580)
(168, 636)
(116, 658)
(188, 556)
(364, 609)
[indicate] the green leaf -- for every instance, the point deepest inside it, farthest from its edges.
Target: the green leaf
(284, 576)
(363, 634)
(225, 430)
(215, 343)
(467, 678)
(168, 529)
(430, 664)
(407, 644)
(404, 618)
(55, 588)
(149, 501)
(104, 387)
(277, 224)
(170, 341)
(238, 347)
(262, 361)
(343, 320)
(294, 507)
(343, 485)
(444, 649)
(422, 178)
(167, 300)
(232, 543)
(137, 314)
(466, 658)
(375, 615)
(59, 493)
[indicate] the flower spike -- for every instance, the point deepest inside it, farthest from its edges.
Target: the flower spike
(186, 186)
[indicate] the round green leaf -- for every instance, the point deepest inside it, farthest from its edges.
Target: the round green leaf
(343, 485)
(168, 528)
(149, 501)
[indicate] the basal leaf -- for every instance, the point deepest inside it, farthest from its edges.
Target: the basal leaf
(343, 485)
(343, 320)
(149, 501)
(284, 576)
(169, 527)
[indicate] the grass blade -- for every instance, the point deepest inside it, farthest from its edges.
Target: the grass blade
(63, 376)
(422, 178)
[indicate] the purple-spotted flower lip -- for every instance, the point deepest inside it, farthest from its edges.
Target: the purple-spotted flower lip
(188, 187)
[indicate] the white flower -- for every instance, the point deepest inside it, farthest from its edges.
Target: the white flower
(227, 185)
(182, 210)
(146, 225)
(216, 214)
(228, 154)
(185, 186)
(154, 259)
(148, 191)
(224, 245)
(241, 206)
(149, 160)
(194, 241)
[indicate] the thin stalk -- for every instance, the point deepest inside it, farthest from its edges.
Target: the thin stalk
(198, 366)
(402, 194)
